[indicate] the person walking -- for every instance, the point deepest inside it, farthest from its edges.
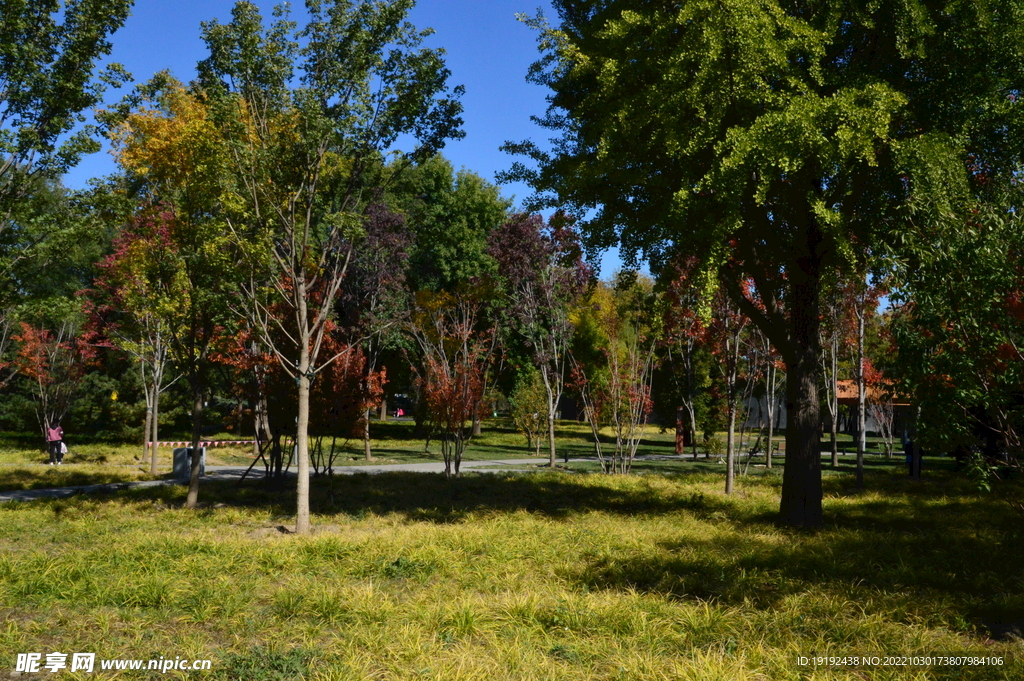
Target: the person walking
(55, 442)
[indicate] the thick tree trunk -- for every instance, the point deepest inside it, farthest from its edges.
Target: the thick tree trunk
(801, 482)
(862, 422)
(382, 412)
(197, 430)
(477, 425)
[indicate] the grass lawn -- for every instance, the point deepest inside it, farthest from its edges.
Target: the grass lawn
(548, 575)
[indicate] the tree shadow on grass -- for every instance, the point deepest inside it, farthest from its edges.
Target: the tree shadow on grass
(952, 561)
(939, 551)
(430, 497)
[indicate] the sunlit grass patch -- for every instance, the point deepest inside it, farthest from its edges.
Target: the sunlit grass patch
(517, 576)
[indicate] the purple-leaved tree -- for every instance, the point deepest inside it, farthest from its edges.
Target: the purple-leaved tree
(544, 276)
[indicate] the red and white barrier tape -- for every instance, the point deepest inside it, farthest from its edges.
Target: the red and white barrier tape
(207, 443)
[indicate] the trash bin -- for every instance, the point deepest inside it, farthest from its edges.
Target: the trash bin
(183, 462)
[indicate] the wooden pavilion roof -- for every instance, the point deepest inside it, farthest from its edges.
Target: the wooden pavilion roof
(848, 394)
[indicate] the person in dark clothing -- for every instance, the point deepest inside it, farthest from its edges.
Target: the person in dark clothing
(54, 440)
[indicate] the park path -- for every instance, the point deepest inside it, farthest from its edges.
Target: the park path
(236, 472)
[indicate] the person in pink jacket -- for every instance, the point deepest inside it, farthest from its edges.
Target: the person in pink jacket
(54, 439)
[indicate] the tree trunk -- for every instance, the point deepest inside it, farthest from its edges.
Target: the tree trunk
(801, 482)
(477, 425)
(155, 433)
(772, 404)
(835, 443)
(862, 423)
(693, 432)
(680, 432)
(552, 406)
(730, 450)
(382, 413)
(367, 451)
(197, 428)
(261, 423)
(148, 428)
(302, 446)
(833, 398)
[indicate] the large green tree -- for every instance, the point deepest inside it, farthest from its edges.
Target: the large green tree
(450, 214)
(775, 140)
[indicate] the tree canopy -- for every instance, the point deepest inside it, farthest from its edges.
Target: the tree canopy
(48, 54)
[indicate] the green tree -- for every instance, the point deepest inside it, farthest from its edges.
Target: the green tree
(528, 403)
(307, 129)
(450, 215)
(775, 141)
(958, 334)
(48, 52)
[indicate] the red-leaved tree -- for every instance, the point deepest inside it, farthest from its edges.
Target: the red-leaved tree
(55, 362)
(457, 348)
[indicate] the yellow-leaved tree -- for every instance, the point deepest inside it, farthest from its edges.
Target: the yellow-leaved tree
(176, 165)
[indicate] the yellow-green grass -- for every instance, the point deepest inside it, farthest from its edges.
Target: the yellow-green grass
(24, 467)
(92, 464)
(518, 576)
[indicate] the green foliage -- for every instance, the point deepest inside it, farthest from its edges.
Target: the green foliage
(48, 253)
(450, 215)
(774, 141)
(723, 121)
(714, 446)
(48, 52)
(529, 404)
(958, 330)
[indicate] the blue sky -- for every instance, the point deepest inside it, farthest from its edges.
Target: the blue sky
(488, 51)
